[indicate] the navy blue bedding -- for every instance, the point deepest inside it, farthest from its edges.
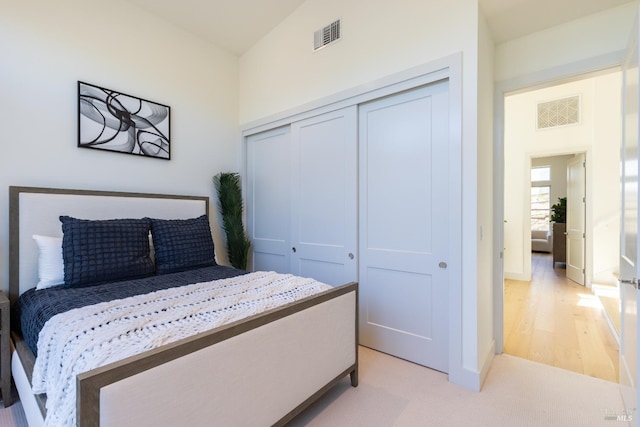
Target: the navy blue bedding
(34, 308)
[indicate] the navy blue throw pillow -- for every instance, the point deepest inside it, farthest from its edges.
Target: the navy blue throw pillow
(100, 251)
(182, 244)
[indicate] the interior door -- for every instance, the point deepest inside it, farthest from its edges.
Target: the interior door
(576, 183)
(324, 220)
(629, 259)
(268, 199)
(404, 194)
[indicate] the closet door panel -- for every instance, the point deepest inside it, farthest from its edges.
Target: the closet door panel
(268, 199)
(324, 197)
(403, 225)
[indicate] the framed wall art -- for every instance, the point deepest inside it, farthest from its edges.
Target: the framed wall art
(113, 121)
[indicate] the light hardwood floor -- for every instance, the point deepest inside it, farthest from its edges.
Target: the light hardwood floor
(555, 321)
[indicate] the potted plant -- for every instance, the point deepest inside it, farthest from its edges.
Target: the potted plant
(558, 221)
(231, 207)
(559, 211)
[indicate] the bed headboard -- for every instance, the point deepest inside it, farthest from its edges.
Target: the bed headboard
(34, 210)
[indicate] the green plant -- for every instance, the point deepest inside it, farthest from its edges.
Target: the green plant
(231, 206)
(559, 211)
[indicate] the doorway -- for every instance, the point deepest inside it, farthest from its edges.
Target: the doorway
(581, 115)
(558, 211)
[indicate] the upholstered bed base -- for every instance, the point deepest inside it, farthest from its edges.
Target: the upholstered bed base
(261, 377)
(31, 404)
(262, 370)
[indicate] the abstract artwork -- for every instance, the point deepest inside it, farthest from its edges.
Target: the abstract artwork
(113, 121)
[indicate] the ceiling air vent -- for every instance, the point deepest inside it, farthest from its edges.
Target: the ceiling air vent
(327, 35)
(560, 112)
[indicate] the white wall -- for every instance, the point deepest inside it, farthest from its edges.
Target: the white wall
(380, 38)
(605, 183)
(486, 247)
(578, 41)
(598, 135)
(46, 47)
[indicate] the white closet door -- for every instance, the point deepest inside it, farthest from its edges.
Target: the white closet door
(268, 199)
(324, 197)
(403, 225)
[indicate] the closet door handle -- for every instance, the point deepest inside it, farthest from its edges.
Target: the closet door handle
(293, 249)
(351, 256)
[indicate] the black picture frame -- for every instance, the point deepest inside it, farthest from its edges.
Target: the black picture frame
(114, 121)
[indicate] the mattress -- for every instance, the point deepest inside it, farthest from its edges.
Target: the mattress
(89, 337)
(35, 307)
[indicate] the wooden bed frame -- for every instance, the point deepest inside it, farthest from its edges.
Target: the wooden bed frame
(263, 370)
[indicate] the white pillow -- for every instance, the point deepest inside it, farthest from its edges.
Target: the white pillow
(50, 264)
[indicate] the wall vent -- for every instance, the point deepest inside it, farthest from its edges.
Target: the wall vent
(327, 35)
(560, 112)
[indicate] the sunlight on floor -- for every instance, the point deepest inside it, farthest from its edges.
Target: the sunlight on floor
(589, 300)
(606, 290)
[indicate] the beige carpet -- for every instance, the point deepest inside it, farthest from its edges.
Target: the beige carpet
(13, 416)
(517, 392)
(393, 392)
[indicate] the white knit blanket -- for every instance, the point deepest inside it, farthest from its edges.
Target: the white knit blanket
(89, 337)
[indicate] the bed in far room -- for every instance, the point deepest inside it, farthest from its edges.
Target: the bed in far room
(140, 326)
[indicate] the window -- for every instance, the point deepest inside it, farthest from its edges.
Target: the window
(540, 207)
(540, 197)
(540, 173)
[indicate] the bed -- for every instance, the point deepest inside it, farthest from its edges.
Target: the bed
(263, 369)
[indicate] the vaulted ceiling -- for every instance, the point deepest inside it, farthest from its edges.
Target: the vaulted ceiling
(236, 25)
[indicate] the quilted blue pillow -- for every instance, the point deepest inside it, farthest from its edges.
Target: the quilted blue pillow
(182, 244)
(99, 251)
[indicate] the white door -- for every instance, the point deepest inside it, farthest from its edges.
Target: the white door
(403, 225)
(629, 258)
(324, 220)
(576, 183)
(268, 199)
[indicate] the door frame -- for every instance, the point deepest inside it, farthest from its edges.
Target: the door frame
(588, 246)
(629, 267)
(550, 77)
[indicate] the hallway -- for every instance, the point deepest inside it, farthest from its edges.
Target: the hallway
(555, 321)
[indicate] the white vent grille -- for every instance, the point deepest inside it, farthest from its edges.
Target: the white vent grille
(326, 35)
(560, 112)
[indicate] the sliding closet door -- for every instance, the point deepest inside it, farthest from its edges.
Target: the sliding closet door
(403, 225)
(268, 199)
(324, 197)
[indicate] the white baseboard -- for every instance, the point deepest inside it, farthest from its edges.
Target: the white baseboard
(487, 361)
(466, 378)
(516, 276)
(473, 380)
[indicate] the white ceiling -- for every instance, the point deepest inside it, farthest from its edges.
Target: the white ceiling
(236, 25)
